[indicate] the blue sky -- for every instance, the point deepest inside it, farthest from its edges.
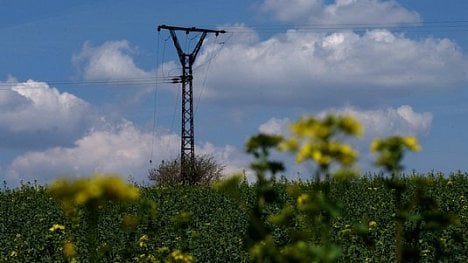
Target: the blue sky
(83, 83)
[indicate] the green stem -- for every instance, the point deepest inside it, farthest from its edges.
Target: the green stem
(92, 233)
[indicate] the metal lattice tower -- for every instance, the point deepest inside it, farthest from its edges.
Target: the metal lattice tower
(187, 143)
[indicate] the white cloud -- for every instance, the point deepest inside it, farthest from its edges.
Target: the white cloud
(390, 121)
(233, 160)
(33, 114)
(347, 13)
(315, 70)
(377, 123)
(381, 123)
(74, 140)
(291, 10)
(275, 126)
(123, 149)
(113, 60)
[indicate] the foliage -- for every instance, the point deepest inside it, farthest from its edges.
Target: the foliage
(206, 170)
(391, 151)
(218, 225)
(319, 141)
(345, 218)
(422, 212)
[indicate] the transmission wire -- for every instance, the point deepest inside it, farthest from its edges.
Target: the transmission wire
(206, 73)
(155, 102)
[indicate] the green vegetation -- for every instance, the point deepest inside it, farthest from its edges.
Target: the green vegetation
(217, 227)
(206, 170)
(337, 216)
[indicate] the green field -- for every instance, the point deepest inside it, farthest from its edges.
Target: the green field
(215, 226)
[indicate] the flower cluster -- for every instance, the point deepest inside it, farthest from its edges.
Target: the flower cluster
(391, 151)
(57, 228)
(69, 249)
(318, 140)
(92, 191)
(178, 256)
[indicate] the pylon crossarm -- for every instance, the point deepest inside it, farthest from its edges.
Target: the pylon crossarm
(194, 53)
(180, 52)
(191, 29)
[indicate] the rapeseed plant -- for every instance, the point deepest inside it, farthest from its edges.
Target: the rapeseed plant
(320, 140)
(90, 194)
(391, 151)
(93, 191)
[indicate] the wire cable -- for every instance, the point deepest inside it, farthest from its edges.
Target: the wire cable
(208, 62)
(155, 102)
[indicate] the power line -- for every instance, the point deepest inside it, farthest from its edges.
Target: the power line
(155, 98)
(121, 82)
(208, 63)
(445, 25)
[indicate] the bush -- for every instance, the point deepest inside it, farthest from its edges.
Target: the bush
(206, 170)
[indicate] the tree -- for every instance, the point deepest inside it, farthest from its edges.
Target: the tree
(206, 170)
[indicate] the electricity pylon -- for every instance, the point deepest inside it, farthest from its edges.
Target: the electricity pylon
(187, 143)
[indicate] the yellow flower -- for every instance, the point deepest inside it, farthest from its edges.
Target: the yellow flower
(412, 143)
(302, 201)
(142, 240)
(372, 225)
(320, 131)
(343, 153)
(57, 228)
(93, 191)
(289, 145)
(375, 145)
(318, 157)
(178, 256)
(305, 152)
(69, 249)
(351, 125)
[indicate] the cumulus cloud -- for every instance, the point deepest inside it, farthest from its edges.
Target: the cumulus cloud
(59, 134)
(390, 121)
(233, 160)
(35, 115)
(381, 123)
(275, 126)
(340, 12)
(322, 70)
(402, 121)
(124, 150)
(377, 123)
(113, 60)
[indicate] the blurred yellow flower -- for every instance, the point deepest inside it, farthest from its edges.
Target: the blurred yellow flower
(289, 145)
(318, 140)
(351, 126)
(69, 249)
(391, 150)
(142, 240)
(375, 145)
(412, 143)
(178, 256)
(92, 191)
(57, 228)
(321, 158)
(303, 201)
